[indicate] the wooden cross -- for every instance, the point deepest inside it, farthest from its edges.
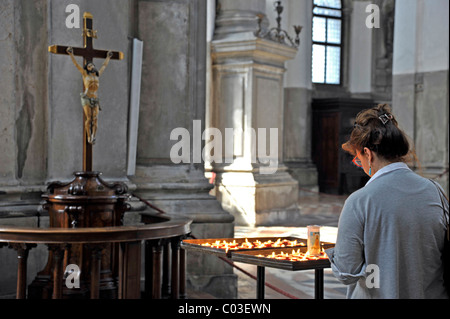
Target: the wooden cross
(89, 54)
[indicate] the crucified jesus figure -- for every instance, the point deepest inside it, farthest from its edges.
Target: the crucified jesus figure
(89, 98)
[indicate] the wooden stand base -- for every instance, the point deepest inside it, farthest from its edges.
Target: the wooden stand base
(87, 201)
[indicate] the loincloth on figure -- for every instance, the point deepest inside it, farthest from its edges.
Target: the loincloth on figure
(90, 101)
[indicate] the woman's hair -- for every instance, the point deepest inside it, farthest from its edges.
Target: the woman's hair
(377, 129)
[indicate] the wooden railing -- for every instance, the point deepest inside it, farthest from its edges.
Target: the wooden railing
(156, 236)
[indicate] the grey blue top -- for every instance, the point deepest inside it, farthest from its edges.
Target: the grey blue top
(390, 238)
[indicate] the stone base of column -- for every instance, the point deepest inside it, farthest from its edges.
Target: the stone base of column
(412, 95)
(307, 176)
(256, 199)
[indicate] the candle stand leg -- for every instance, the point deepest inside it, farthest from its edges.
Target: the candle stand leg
(260, 282)
(318, 292)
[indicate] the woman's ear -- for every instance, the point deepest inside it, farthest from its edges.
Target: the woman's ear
(369, 154)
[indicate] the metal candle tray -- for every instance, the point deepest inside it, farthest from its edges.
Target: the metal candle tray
(196, 244)
(251, 257)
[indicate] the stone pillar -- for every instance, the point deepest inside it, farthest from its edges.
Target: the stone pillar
(173, 99)
(370, 51)
(421, 81)
(297, 97)
(360, 42)
(23, 101)
(251, 180)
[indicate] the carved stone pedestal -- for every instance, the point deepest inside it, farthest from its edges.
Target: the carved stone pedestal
(248, 97)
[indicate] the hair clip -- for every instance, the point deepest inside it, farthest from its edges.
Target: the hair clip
(386, 118)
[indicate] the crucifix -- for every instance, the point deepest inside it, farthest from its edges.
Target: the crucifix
(89, 98)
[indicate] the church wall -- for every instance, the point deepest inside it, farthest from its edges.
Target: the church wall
(7, 94)
(65, 112)
(23, 93)
(421, 82)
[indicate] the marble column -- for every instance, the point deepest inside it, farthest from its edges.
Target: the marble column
(297, 98)
(173, 99)
(421, 81)
(252, 181)
(23, 101)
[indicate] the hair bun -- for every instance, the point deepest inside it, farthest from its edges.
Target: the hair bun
(372, 130)
(384, 108)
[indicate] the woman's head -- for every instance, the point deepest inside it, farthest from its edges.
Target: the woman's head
(377, 129)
